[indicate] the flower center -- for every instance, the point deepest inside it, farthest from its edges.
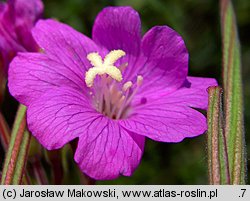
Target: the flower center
(110, 97)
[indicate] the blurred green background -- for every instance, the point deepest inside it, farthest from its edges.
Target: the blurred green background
(198, 23)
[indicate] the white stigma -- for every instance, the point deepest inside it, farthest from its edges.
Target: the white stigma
(127, 85)
(101, 67)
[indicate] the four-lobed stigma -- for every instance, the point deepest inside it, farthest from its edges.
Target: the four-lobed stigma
(106, 66)
(109, 97)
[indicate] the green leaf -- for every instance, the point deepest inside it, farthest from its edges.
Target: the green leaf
(16, 156)
(233, 98)
(218, 167)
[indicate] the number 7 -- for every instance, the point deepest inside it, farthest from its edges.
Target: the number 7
(243, 191)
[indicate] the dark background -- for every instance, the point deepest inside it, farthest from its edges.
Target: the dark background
(199, 24)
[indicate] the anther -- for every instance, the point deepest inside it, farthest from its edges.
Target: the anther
(127, 85)
(139, 80)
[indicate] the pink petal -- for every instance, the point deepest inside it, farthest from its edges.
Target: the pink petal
(64, 44)
(168, 117)
(111, 152)
(59, 116)
(193, 93)
(9, 43)
(165, 64)
(119, 28)
(33, 74)
(166, 122)
(26, 15)
(63, 63)
(8, 49)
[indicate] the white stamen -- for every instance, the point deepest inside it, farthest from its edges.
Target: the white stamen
(127, 85)
(116, 96)
(131, 96)
(121, 101)
(139, 80)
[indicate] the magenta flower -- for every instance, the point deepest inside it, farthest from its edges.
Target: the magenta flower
(110, 92)
(17, 17)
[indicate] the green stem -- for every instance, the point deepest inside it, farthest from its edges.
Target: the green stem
(17, 153)
(217, 150)
(233, 96)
